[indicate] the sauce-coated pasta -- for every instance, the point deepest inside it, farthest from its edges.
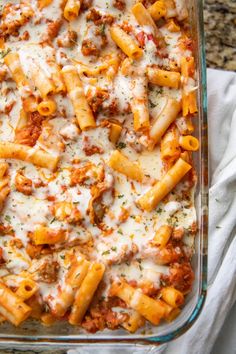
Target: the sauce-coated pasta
(97, 180)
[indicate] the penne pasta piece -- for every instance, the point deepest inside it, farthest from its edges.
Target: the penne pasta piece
(12, 307)
(109, 66)
(170, 312)
(162, 236)
(2, 43)
(172, 26)
(164, 120)
(46, 236)
(85, 293)
(29, 104)
(22, 121)
(44, 3)
(189, 100)
(185, 156)
(73, 281)
(12, 60)
(152, 310)
(171, 316)
(37, 309)
(189, 142)
(139, 103)
(170, 148)
(189, 103)
(3, 169)
(47, 107)
(187, 67)
(57, 77)
(157, 10)
(170, 9)
(41, 81)
(74, 87)
(71, 10)
(184, 125)
(115, 131)
(172, 296)
(27, 289)
(134, 322)
(25, 153)
(150, 200)
(144, 18)
(47, 319)
(122, 164)
(125, 42)
(4, 183)
(163, 78)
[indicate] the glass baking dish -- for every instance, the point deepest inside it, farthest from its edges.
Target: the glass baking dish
(63, 336)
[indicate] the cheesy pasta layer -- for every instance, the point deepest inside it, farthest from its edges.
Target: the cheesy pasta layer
(96, 173)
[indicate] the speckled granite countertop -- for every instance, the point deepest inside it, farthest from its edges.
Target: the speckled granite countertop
(220, 32)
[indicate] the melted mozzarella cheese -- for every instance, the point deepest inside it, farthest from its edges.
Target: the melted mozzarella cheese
(129, 230)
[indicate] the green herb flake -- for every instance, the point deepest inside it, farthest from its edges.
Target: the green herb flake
(8, 218)
(4, 52)
(121, 145)
(103, 29)
(52, 220)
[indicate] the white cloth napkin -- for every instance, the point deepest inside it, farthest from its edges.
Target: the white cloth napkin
(222, 221)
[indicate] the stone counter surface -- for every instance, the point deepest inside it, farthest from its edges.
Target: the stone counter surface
(220, 33)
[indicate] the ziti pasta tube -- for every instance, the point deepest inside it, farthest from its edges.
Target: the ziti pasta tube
(134, 322)
(25, 153)
(189, 99)
(71, 10)
(163, 77)
(139, 103)
(27, 288)
(85, 293)
(125, 42)
(12, 60)
(41, 81)
(157, 10)
(162, 236)
(12, 306)
(151, 198)
(47, 107)
(164, 120)
(172, 296)
(73, 280)
(144, 18)
(152, 310)
(43, 235)
(75, 90)
(122, 164)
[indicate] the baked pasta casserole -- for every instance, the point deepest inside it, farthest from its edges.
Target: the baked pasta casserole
(97, 102)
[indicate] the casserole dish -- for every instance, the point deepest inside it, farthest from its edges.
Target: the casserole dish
(30, 333)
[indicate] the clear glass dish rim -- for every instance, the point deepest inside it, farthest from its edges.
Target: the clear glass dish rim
(73, 340)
